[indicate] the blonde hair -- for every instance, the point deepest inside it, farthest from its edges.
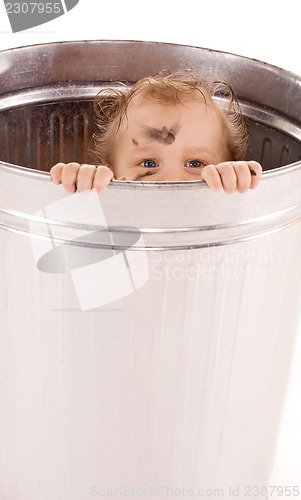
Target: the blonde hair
(110, 107)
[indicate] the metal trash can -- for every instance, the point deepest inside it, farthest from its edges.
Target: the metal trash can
(146, 333)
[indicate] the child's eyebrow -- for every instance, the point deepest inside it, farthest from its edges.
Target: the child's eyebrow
(148, 148)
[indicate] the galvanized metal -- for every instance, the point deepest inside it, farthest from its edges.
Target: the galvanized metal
(179, 380)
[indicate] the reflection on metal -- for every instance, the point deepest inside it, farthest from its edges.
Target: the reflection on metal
(169, 368)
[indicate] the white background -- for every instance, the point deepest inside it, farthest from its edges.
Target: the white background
(260, 29)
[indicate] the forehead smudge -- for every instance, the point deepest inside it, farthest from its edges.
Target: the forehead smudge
(164, 136)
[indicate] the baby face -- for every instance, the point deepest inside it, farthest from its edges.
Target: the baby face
(168, 142)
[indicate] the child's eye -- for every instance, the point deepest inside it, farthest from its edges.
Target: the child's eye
(194, 164)
(149, 164)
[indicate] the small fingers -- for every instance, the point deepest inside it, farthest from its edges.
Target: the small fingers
(56, 172)
(243, 175)
(103, 176)
(92, 177)
(248, 174)
(233, 176)
(212, 178)
(69, 176)
(85, 177)
(74, 176)
(255, 168)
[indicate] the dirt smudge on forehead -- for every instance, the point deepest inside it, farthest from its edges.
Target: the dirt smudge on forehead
(163, 135)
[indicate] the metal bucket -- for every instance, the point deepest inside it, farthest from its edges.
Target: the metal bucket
(146, 333)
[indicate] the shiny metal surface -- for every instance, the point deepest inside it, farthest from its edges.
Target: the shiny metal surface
(179, 382)
(51, 102)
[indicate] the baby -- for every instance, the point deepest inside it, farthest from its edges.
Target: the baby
(168, 127)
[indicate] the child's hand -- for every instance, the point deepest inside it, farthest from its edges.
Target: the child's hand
(74, 176)
(232, 176)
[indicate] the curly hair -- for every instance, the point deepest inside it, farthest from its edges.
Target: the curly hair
(165, 87)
